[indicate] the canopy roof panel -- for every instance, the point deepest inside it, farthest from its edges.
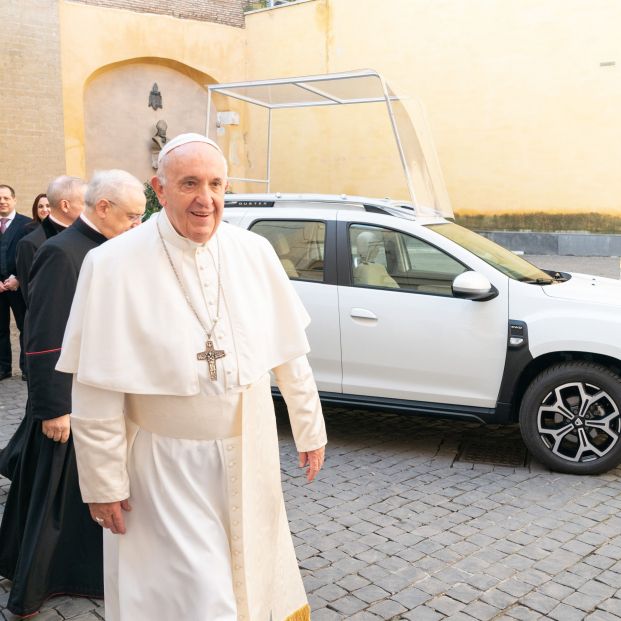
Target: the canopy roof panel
(323, 90)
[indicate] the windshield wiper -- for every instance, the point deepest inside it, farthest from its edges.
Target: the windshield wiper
(538, 281)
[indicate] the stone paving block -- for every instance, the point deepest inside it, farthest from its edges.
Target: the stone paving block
(325, 614)
(348, 605)
(569, 579)
(515, 588)
(330, 592)
(610, 578)
(597, 589)
(371, 593)
(557, 561)
(601, 615)
(563, 612)
(481, 611)
(599, 561)
(463, 593)
(499, 599)
(411, 597)
(539, 602)
(612, 605)
(523, 613)
(387, 609)
(445, 605)
(364, 616)
(585, 570)
(482, 582)
(422, 613)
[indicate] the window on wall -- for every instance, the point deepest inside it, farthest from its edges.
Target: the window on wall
(385, 258)
(299, 245)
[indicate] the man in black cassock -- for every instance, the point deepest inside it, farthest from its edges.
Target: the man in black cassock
(49, 543)
(66, 198)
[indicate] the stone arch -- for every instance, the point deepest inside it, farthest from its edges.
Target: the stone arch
(119, 124)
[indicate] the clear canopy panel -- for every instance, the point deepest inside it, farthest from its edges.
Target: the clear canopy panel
(407, 163)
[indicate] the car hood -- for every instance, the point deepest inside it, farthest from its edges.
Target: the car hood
(587, 288)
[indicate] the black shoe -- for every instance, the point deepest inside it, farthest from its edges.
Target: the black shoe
(5, 375)
(24, 377)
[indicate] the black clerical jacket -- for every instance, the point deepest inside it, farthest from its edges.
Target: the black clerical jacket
(28, 246)
(53, 279)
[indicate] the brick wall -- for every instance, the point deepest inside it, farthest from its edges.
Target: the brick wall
(230, 12)
(31, 112)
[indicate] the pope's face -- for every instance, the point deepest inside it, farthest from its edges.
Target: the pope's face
(193, 190)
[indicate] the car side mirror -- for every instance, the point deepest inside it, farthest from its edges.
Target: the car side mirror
(473, 286)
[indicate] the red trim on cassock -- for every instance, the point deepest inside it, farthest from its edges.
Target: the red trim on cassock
(45, 351)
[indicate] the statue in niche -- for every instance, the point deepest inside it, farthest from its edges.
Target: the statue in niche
(158, 141)
(155, 97)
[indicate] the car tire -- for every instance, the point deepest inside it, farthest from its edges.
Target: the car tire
(570, 418)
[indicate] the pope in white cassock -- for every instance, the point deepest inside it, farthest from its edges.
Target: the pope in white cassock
(173, 330)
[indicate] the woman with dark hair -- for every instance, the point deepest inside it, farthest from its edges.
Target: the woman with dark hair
(40, 210)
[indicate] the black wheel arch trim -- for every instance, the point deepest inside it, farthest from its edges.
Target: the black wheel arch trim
(518, 358)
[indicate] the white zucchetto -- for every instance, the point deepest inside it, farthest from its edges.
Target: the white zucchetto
(182, 139)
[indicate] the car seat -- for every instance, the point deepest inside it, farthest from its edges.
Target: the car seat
(368, 244)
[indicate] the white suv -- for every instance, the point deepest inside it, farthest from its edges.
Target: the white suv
(419, 314)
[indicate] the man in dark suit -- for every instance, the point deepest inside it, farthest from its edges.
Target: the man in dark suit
(66, 197)
(12, 229)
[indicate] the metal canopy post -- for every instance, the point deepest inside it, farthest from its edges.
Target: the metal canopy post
(208, 111)
(269, 148)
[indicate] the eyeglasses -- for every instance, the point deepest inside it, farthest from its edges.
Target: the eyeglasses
(132, 217)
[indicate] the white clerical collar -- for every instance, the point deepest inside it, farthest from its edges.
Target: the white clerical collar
(89, 223)
(171, 236)
(56, 221)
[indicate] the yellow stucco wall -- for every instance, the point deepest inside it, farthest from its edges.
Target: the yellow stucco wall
(523, 115)
(92, 38)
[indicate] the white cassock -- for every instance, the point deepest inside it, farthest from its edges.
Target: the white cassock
(207, 538)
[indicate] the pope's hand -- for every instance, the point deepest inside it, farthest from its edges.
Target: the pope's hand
(110, 515)
(57, 429)
(314, 461)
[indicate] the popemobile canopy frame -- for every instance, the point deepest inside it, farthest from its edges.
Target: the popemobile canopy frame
(414, 143)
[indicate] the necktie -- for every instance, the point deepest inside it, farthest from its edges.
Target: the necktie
(3, 224)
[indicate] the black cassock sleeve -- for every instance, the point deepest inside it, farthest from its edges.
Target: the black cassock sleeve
(25, 255)
(53, 279)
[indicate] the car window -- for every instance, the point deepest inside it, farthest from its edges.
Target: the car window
(299, 245)
(502, 259)
(390, 259)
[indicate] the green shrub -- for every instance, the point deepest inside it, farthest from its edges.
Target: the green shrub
(153, 204)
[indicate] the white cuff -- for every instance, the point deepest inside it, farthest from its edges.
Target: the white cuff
(297, 386)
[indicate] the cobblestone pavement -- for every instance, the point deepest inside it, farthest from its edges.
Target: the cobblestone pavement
(405, 523)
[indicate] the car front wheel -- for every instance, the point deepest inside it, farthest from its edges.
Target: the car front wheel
(570, 418)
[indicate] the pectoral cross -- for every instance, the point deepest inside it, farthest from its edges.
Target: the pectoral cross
(211, 355)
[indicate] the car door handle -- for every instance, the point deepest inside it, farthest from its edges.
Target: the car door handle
(362, 313)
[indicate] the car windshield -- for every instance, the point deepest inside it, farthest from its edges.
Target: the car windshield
(502, 259)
